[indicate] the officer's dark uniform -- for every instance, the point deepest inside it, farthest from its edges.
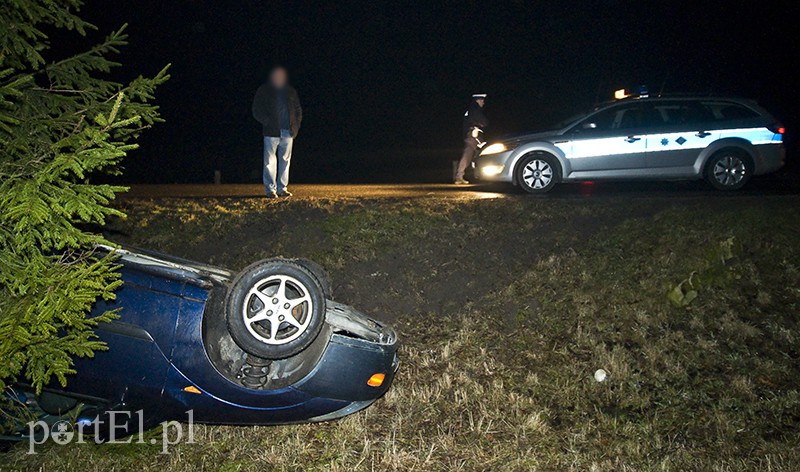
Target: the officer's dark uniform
(474, 124)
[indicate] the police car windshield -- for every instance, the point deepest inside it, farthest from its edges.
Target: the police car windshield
(568, 121)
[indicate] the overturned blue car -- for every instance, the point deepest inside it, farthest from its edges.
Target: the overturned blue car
(265, 346)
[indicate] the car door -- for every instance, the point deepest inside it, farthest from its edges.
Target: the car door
(682, 131)
(609, 142)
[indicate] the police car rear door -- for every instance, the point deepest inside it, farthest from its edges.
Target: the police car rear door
(683, 129)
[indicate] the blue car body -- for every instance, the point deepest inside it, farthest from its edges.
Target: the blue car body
(169, 352)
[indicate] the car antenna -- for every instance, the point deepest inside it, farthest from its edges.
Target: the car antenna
(663, 84)
(597, 94)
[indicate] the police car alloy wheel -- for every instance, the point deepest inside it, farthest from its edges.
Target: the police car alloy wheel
(537, 173)
(275, 309)
(729, 169)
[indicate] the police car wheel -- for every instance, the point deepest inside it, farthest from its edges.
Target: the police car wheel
(538, 173)
(275, 309)
(729, 169)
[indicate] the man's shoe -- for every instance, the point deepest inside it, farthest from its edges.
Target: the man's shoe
(285, 193)
(272, 194)
(460, 182)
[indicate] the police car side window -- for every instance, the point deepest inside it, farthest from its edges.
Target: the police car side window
(617, 118)
(681, 114)
(727, 111)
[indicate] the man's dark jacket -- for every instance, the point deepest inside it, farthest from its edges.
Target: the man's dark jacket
(474, 118)
(265, 110)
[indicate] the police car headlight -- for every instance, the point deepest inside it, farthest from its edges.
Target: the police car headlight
(494, 149)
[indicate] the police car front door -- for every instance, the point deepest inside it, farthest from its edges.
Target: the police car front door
(609, 143)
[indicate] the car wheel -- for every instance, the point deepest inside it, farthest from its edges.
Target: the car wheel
(538, 173)
(275, 309)
(729, 169)
(321, 274)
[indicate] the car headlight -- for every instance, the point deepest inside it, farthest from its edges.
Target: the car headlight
(494, 149)
(490, 171)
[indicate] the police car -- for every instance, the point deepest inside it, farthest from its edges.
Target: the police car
(723, 140)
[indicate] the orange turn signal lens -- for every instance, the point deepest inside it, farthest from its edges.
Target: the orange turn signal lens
(376, 380)
(192, 389)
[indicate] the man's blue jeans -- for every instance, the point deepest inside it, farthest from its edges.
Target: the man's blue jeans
(277, 158)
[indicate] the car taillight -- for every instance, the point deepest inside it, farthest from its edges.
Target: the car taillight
(777, 129)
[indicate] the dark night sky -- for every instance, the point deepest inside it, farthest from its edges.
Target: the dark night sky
(383, 85)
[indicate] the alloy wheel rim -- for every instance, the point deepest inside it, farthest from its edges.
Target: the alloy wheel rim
(729, 171)
(277, 309)
(537, 174)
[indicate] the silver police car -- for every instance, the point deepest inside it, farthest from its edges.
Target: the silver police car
(723, 140)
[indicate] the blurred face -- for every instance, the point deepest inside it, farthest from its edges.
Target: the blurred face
(278, 78)
(481, 102)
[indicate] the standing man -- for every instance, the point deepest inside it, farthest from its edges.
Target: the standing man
(277, 107)
(474, 123)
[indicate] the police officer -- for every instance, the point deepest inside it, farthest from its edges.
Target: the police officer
(474, 124)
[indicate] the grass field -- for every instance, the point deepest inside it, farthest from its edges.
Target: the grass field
(506, 308)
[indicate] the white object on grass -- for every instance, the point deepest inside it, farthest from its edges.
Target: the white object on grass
(600, 375)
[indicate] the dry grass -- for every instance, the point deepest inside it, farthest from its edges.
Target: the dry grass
(505, 381)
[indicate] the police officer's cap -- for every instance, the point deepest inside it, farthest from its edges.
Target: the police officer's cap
(478, 96)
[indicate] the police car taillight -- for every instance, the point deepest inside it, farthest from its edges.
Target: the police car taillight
(777, 129)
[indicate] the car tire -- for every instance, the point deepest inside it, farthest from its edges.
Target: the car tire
(729, 169)
(275, 309)
(538, 173)
(321, 274)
